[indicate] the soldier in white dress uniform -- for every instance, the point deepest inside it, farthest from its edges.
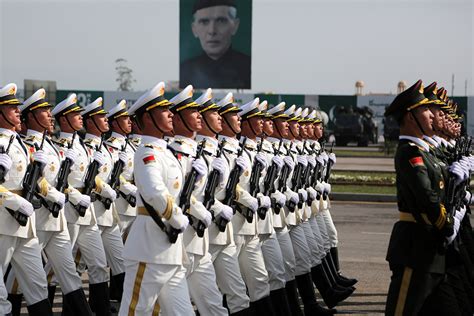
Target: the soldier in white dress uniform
(96, 124)
(83, 229)
(123, 149)
(18, 243)
(200, 275)
(154, 250)
(221, 241)
(51, 228)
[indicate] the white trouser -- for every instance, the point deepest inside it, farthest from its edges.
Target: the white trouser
(252, 266)
(57, 248)
(5, 306)
(202, 285)
(148, 283)
(287, 251)
(301, 250)
(125, 224)
(312, 244)
(91, 249)
(24, 254)
(331, 228)
(324, 232)
(319, 238)
(228, 277)
(113, 246)
(274, 263)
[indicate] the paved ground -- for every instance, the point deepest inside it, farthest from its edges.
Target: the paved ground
(364, 230)
(364, 164)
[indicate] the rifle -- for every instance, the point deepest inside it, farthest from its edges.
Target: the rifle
(185, 196)
(63, 174)
(269, 181)
(89, 181)
(234, 176)
(170, 231)
(285, 173)
(308, 176)
(255, 175)
(114, 183)
(328, 171)
(33, 173)
(296, 180)
(21, 218)
(209, 192)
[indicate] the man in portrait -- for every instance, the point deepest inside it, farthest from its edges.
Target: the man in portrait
(214, 23)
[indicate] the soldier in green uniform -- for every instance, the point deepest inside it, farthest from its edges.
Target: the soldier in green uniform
(416, 250)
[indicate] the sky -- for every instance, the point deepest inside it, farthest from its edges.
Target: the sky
(298, 46)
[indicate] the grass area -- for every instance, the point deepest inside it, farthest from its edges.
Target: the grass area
(370, 189)
(357, 153)
(361, 177)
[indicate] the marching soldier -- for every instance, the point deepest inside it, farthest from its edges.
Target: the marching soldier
(51, 225)
(80, 215)
(96, 125)
(221, 239)
(200, 276)
(416, 253)
(154, 249)
(18, 240)
(123, 149)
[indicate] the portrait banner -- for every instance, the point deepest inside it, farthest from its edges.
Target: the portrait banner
(215, 44)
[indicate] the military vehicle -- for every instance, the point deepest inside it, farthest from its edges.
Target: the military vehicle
(353, 124)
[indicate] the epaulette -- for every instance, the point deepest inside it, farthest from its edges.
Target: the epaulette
(62, 142)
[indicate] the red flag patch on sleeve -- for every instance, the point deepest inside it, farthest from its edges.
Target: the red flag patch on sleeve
(416, 162)
(149, 159)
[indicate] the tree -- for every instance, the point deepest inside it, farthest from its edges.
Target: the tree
(125, 76)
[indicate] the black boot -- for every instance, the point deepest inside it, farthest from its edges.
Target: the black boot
(42, 308)
(333, 274)
(263, 307)
(293, 299)
(331, 296)
(306, 289)
(335, 259)
(15, 300)
(116, 287)
(280, 303)
(99, 300)
(244, 312)
(75, 303)
(51, 294)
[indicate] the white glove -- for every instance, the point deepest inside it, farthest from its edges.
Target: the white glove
(242, 162)
(278, 161)
(261, 159)
(311, 160)
(311, 193)
(264, 201)
(179, 221)
(85, 200)
(41, 157)
(226, 212)
(303, 194)
(219, 164)
(327, 187)
(108, 192)
(460, 213)
(253, 204)
(289, 162)
(332, 157)
(292, 196)
(279, 197)
(320, 160)
(458, 216)
(325, 157)
(302, 160)
(468, 198)
(61, 198)
(99, 157)
(458, 171)
(319, 187)
(124, 157)
(207, 218)
(26, 207)
(201, 168)
(5, 162)
(71, 154)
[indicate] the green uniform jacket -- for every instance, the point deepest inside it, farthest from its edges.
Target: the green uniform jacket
(419, 244)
